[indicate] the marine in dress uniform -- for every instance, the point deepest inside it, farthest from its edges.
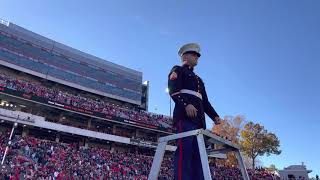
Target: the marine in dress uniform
(191, 103)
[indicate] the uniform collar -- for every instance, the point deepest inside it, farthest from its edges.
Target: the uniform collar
(187, 66)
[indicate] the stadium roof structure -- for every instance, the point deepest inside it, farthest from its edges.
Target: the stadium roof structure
(64, 49)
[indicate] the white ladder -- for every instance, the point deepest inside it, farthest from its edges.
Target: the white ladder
(199, 133)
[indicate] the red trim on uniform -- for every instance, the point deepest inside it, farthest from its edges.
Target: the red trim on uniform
(180, 154)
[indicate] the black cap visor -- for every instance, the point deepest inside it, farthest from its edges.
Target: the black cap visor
(193, 52)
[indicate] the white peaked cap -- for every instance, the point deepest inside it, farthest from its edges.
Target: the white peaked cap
(190, 47)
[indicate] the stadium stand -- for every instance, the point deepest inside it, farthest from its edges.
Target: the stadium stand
(56, 95)
(27, 55)
(32, 158)
(76, 133)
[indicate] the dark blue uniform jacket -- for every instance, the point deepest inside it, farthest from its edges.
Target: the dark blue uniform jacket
(187, 79)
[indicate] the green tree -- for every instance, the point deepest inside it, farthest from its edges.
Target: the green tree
(257, 141)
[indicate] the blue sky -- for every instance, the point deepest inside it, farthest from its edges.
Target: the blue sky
(259, 59)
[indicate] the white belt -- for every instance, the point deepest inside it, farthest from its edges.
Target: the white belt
(187, 91)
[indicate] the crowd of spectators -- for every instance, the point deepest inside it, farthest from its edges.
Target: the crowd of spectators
(146, 138)
(95, 105)
(232, 173)
(31, 158)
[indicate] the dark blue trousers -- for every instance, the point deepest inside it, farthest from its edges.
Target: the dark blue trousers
(187, 163)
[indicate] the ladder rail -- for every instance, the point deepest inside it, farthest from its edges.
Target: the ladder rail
(200, 134)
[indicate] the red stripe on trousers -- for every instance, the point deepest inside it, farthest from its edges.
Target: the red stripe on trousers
(180, 155)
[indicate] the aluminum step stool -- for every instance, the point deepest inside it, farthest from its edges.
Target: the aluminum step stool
(200, 133)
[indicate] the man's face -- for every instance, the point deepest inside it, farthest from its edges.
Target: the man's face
(190, 58)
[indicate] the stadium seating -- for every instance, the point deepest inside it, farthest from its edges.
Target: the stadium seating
(85, 103)
(31, 158)
(66, 75)
(38, 60)
(63, 62)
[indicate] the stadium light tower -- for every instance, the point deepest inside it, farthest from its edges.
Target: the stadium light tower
(167, 91)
